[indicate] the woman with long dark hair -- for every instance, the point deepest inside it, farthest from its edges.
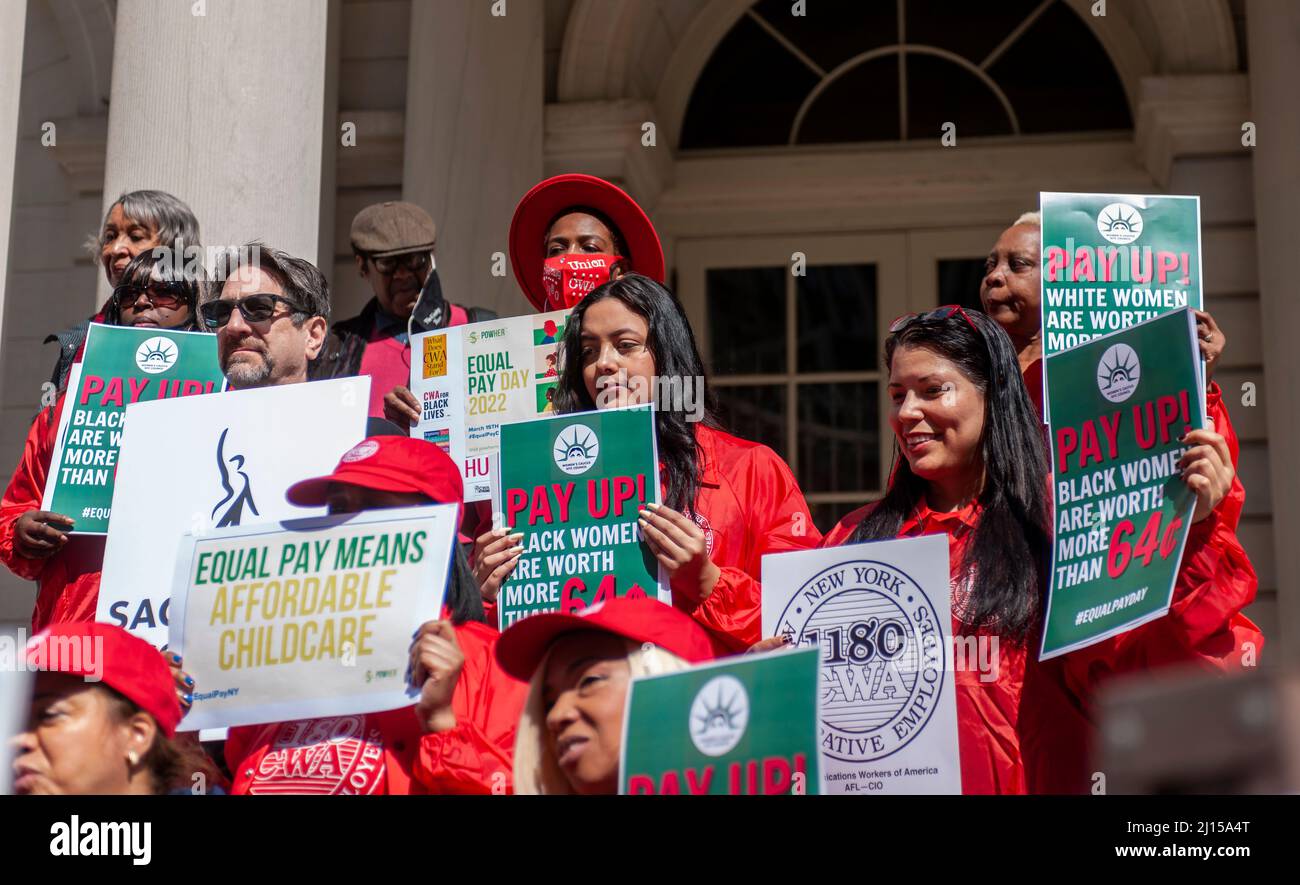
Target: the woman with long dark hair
(973, 466)
(726, 501)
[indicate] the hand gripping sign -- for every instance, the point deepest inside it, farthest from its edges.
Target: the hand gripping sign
(881, 616)
(308, 618)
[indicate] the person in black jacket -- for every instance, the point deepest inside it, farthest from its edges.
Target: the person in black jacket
(393, 244)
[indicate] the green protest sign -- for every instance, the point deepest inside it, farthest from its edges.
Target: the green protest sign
(1119, 406)
(742, 726)
(572, 485)
(122, 365)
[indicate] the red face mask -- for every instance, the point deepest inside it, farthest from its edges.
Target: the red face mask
(570, 278)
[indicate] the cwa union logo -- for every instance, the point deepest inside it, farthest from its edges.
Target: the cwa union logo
(157, 354)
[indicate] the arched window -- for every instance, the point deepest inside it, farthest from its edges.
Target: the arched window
(890, 70)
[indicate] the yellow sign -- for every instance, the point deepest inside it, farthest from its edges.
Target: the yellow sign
(435, 356)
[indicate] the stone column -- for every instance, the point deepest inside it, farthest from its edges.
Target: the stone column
(226, 104)
(1273, 31)
(474, 111)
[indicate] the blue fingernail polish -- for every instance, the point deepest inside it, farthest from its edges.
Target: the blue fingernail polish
(189, 699)
(189, 680)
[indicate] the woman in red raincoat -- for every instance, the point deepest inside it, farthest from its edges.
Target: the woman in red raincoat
(974, 467)
(459, 736)
(35, 544)
(1011, 294)
(727, 501)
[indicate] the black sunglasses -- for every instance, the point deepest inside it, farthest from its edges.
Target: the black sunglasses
(254, 308)
(167, 294)
(416, 262)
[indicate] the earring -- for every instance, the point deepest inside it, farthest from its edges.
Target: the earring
(132, 757)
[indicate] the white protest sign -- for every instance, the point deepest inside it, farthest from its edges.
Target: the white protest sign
(880, 613)
(204, 462)
(308, 618)
(470, 379)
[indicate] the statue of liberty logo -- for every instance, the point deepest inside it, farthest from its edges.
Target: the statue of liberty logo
(232, 474)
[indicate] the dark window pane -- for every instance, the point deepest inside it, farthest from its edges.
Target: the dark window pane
(748, 92)
(1060, 79)
(755, 413)
(833, 31)
(969, 29)
(940, 91)
(837, 318)
(839, 437)
(747, 320)
(862, 105)
(959, 282)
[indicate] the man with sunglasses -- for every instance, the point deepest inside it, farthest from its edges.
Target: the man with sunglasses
(270, 316)
(393, 244)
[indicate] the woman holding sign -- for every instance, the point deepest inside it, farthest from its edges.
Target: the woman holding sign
(1011, 293)
(458, 736)
(34, 543)
(974, 467)
(727, 501)
(569, 235)
(578, 667)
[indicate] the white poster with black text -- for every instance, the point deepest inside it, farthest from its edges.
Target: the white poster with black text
(880, 613)
(205, 462)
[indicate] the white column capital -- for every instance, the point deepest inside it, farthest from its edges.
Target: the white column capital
(608, 139)
(1190, 115)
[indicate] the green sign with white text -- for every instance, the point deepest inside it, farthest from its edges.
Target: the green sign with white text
(121, 366)
(744, 726)
(573, 485)
(1119, 406)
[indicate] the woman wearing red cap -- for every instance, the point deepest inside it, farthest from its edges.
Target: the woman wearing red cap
(974, 467)
(578, 667)
(103, 715)
(36, 544)
(457, 738)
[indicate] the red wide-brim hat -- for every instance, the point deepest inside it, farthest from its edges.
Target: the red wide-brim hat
(549, 198)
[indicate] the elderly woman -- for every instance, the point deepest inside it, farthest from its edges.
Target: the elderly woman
(1011, 295)
(34, 543)
(103, 716)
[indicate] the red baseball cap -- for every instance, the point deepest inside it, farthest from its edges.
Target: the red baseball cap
(547, 199)
(388, 464)
(523, 644)
(127, 664)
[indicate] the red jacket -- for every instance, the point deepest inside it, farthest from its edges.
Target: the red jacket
(68, 580)
(1029, 729)
(388, 753)
(749, 504)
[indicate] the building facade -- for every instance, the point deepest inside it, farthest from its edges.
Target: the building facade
(879, 146)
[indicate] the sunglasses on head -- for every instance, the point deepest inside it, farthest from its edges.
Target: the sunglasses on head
(416, 262)
(159, 294)
(254, 308)
(941, 313)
